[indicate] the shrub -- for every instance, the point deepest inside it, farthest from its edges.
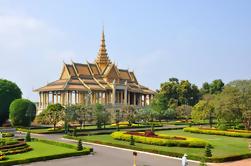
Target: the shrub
(7, 135)
(7, 141)
(80, 146)
(22, 112)
(202, 162)
(231, 133)
(9, 91)
(208, 152)
(132, 142)
(165, 140)
(28, 137)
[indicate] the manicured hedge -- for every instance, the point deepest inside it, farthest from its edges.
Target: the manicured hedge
(164, 141)
(231, 133)
(7, 141)
(7, 135)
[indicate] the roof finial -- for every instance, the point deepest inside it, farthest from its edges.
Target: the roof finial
(102, 59)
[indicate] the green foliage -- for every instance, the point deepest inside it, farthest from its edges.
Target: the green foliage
(132, 141)
(203, 110)
(4, 135)
(9, 91)
(52, 115)
(102, 115)
(46, 150)
(28, 137)
(175, 93)
(184, 112)
(7, 141)
(228, 107)
(165, 140)
(213, 88)
(22, 112)
(203, 162)
(208, 152)
(80, 146)
(231, 133)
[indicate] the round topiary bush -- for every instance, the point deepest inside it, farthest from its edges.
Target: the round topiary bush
(9, 91)
(22, 112)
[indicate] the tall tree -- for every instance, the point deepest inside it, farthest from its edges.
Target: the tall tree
(175, 93)
(227, 104)
(102, 115)
(215, 87)
(204, 110)
(9, 91)
(184, 112)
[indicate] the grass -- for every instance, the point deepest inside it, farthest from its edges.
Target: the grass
(223, 146)
(44, 150)
(41, 149)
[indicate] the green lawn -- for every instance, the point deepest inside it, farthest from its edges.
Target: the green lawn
(223, 146)
(41, 149)
(44, 151)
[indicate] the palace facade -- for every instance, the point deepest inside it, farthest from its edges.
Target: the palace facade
(98, 82)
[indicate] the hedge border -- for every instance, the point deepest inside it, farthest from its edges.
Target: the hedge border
(166, 140)
(172, 154)
(217, 132)
(85, 151)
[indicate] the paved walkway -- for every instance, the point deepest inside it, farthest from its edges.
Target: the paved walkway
(108, 156)
(113, 156)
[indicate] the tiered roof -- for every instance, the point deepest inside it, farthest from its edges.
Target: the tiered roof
(98, 76)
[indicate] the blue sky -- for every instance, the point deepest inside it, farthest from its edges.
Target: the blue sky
(188, 39)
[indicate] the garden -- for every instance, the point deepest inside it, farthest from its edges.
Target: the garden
(19, 151)
(176, 143)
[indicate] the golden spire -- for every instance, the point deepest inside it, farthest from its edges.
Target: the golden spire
(102, 58)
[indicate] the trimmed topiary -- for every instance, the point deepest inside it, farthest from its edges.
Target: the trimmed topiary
(132, 141)
(208, 152)
(28, 137)
(80, 146)
(22, 112)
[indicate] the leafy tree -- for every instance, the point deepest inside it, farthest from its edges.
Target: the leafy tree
(228, 110)
(117, 118)
(9, 91)
(204, 110)
(22, 112)
(216, 86)
(82, 115)
(131, 115)
(244, 87)
(184, 112)
(102, 115)
(53, 114)
(175, 93)
(205, 88)
(213, 88)
(146, 115)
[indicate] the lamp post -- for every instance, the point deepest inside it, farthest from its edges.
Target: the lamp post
(134, 158)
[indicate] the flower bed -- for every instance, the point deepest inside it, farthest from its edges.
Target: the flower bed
(7, 141)
(13, 146)
(231, 133)
(7, 135)
(160, 139)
